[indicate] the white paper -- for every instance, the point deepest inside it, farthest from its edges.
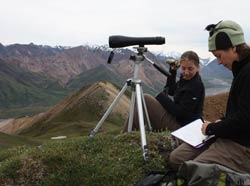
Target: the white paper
(191, 133)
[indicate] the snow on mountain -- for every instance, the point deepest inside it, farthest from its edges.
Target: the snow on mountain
(173, 55)
(205, 61)
(176, 55)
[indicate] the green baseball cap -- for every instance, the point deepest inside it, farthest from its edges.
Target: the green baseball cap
(224, 35)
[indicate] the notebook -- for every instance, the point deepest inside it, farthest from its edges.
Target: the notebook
(191, 134)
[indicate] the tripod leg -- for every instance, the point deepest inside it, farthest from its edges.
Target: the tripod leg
(146, 111)
(131, 113)
(141, 122)
(118, 97)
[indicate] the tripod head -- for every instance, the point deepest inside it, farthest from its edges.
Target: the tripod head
(139, 57)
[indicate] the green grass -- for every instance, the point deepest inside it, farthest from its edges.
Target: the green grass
(112, 160)
(20, 88)
(7, 141)
(78, 119)
(100, 73)
(45, 131)
(17, 112)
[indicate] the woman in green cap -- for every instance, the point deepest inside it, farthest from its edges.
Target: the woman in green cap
(231, 146)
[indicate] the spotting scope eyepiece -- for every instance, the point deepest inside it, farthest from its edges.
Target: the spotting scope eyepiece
(118, 41)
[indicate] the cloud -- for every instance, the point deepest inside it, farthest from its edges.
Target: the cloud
(76, 22)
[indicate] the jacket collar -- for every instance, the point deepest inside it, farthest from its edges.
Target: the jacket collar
(183, 81)
(238, 65)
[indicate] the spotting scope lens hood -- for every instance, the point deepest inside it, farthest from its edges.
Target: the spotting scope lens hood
(118, 41)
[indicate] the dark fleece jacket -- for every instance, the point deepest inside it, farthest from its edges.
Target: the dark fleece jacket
(188, 99)
(236, 123)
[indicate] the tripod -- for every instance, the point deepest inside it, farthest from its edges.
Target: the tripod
(137, 94)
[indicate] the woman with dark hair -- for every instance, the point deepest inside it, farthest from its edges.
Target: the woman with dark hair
(187, 99)
(232, 145)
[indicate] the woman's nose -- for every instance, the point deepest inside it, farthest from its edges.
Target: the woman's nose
(185, 72)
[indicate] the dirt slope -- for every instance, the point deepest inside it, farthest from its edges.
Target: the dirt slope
(215, 106)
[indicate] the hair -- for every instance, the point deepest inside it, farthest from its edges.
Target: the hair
(191, 56)
(243, 51)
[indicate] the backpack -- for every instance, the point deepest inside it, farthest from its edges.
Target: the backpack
(203, 174)
(158, 178)
(193, 173)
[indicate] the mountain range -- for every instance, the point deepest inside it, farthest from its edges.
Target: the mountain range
(35, 77)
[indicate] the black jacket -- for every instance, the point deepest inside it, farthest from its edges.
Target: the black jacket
(236, 124)
(188, 98)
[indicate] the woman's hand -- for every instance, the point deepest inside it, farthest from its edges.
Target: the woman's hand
(204, 127)
(205, 124)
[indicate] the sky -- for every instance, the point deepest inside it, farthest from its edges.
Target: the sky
(80, 22)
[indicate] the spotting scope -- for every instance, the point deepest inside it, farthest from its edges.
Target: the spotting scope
(118, 41)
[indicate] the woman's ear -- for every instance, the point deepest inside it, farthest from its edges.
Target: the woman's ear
(235, 53)
(234, 49)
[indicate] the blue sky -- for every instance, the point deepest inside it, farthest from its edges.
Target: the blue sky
(80, 22)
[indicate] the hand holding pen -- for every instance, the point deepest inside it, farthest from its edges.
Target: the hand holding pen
(205, 124)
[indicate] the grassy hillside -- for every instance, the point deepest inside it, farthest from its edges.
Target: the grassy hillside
(80, 112)
(110, 158)
(103, 73)
(7, 141)
(19, 88)
(103, 160)
(100, 73)
(17, 112)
